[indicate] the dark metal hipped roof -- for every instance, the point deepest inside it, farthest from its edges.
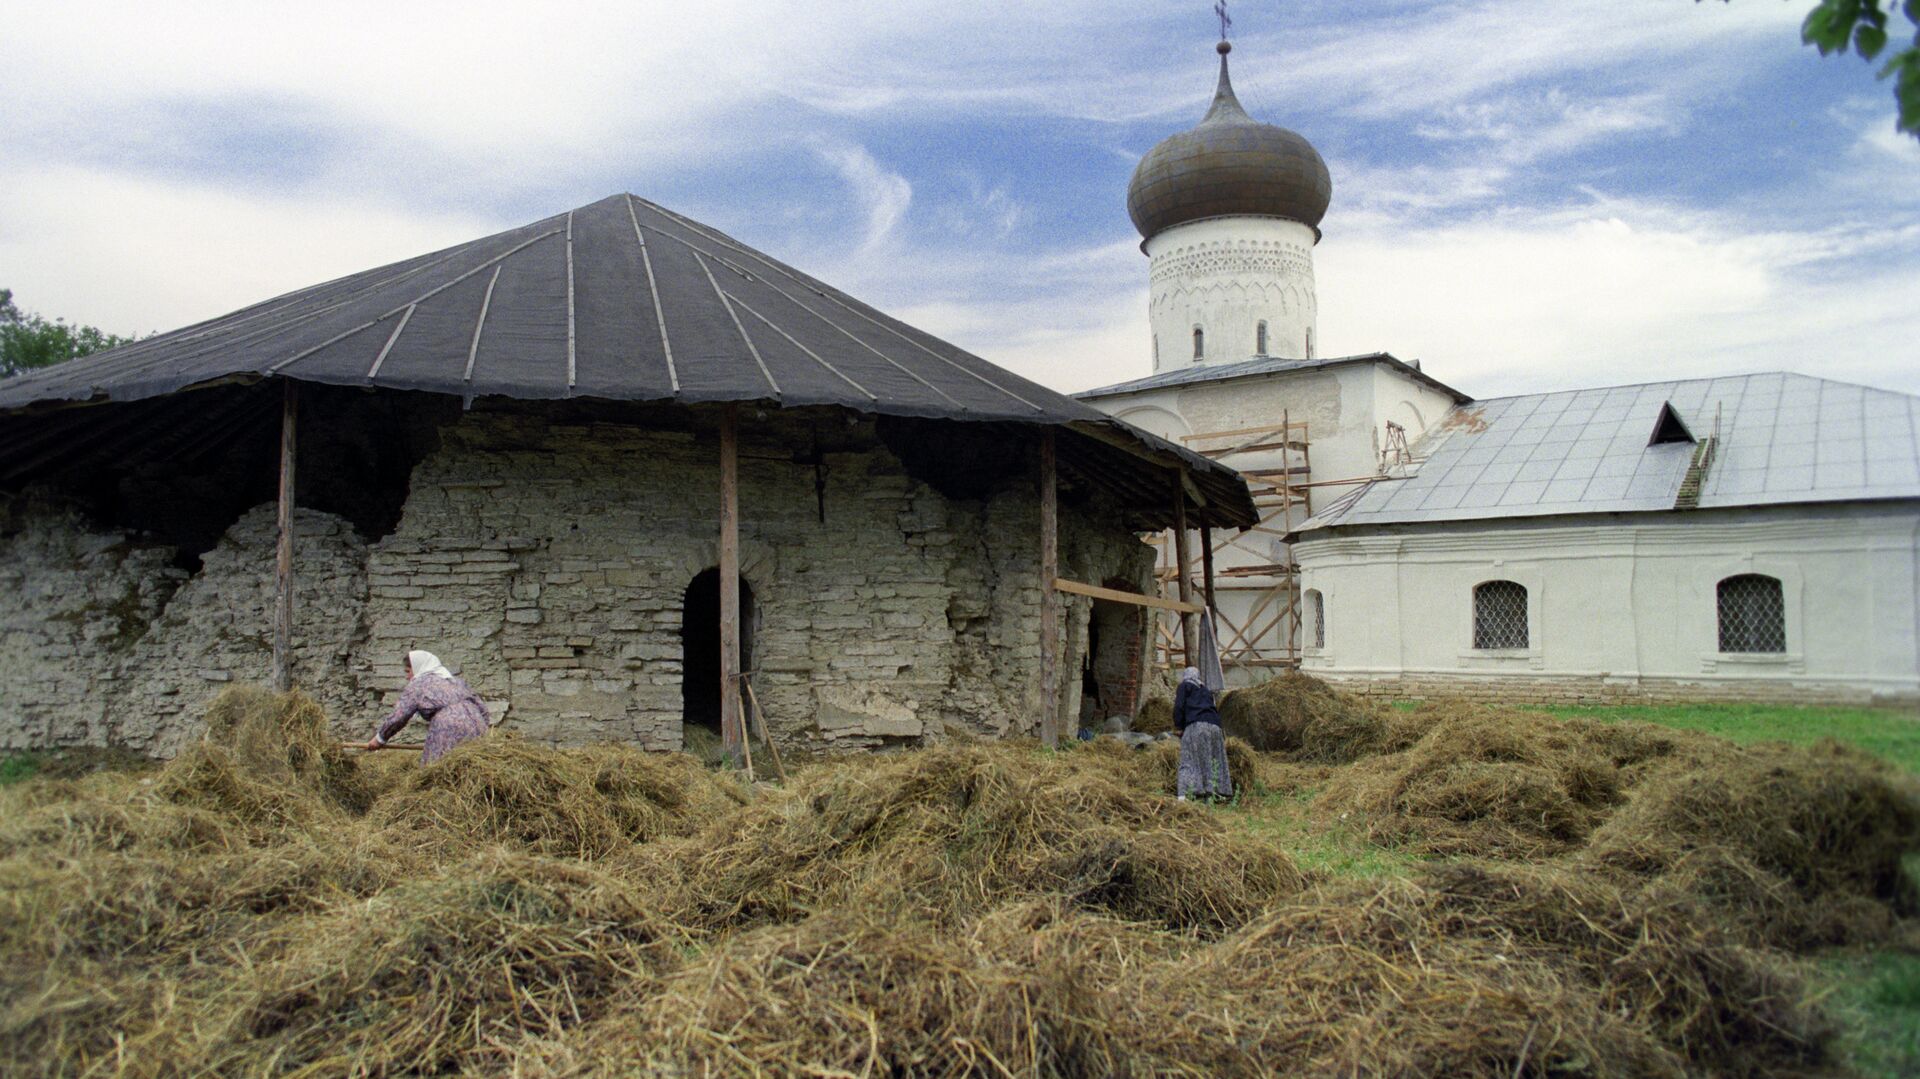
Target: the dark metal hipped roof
(617, 300)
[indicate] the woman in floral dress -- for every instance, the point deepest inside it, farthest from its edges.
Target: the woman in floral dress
(453, 713)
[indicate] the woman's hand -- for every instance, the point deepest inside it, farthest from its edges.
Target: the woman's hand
(373, 744)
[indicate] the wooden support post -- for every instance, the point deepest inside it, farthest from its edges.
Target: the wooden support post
(731, 732)
(1206, 562)
(1049, 598)
(1185, 565)
(283, 563)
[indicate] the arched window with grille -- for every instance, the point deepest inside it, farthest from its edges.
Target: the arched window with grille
(1316, 618)
(1753, 614)
(1499, 614)
(1199, 343)
(1260, 338)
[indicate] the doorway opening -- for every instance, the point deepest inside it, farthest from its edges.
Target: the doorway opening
(1110, 679)
(700, 649)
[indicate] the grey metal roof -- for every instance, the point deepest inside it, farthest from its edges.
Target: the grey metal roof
(1264, 365)
(618, 300)
(1782, 438)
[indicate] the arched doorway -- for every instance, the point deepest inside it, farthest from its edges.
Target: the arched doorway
(700, 648)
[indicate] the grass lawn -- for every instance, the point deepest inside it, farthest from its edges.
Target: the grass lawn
(1888, 733)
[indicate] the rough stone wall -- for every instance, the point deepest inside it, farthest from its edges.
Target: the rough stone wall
(104, 641)
(74, 602)
(218, 629)
(548, 562)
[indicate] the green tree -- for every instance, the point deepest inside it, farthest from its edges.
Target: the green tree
(28, 341)
(1833, 26)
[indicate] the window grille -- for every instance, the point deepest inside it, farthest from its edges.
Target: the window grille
(1199, 343)
(1317, 610)
(1753, 614)
(1499, 615)
(1260, 339)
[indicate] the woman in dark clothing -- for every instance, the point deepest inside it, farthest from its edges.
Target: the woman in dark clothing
(453, 713)
(1203, 749)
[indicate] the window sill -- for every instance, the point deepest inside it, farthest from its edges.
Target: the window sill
(1502, 658)
(1793, 662)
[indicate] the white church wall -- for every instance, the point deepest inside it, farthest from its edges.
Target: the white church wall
(1224, 276)
(1626, 608)
(1345, 407)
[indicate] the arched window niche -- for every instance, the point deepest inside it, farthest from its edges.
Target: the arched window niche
(1500, 615)
(1752, 614)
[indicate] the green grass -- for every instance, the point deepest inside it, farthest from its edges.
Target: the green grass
(1877, 999)
(1286, 820)
(1890, 734)
(18, 766)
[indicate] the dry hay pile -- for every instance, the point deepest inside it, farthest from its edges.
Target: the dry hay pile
(265, 905)
(1497, 783)
(1798, 846)
(947, 832)
(581, 803)
(1308, 720)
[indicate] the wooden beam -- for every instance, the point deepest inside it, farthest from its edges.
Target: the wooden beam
(731, 732)
(1185, 564)
(1049, 598)
(1117, 596)
(283, 561)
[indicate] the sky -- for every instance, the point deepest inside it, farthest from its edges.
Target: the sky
(1526, 196)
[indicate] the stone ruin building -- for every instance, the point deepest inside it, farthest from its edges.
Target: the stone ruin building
(519, 453)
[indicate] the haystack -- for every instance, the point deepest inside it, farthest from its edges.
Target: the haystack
(952, 831)
(1798, 845)
(1308, 720)
(582, 803)
(1482, 781)
(266, 759)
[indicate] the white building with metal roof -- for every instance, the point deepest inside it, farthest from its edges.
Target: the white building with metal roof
(1752, 536)
(1746, 536)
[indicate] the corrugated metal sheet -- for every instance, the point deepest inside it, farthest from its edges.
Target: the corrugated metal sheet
(1782, 438)
(619, 300)
(1263, 365)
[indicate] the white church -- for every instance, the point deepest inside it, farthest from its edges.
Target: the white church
(1755, 536)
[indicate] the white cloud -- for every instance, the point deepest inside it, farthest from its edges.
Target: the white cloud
(1623, 293)
(883, 194)
(135, 256)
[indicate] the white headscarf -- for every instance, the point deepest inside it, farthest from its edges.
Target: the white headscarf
(425, 663)
(1192, 675)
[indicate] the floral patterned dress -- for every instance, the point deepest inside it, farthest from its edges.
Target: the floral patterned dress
(453, 714)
